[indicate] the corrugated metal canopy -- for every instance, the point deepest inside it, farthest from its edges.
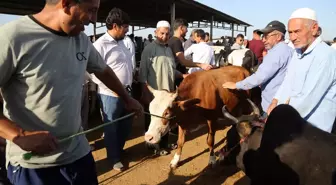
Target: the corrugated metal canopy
(142, 12)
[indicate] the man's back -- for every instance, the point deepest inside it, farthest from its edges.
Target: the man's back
(176, 46)
(257, 46)
(202, 53)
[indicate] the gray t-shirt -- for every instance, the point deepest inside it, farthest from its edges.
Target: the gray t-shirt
(157, 67)
(42, 73)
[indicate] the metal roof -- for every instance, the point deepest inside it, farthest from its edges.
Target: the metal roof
(142, 12)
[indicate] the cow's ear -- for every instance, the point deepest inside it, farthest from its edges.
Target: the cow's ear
(189, 103)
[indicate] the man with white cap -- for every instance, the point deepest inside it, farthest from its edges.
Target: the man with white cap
(158, 70)
(310, 83)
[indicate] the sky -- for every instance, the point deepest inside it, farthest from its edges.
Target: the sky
(257, 13)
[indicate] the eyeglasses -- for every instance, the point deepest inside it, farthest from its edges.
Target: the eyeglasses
(269, 36)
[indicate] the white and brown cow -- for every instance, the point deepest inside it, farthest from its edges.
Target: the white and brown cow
(198, 100)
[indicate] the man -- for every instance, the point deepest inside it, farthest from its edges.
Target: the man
(42, 65)
(256, 45)
(207, 39)
(158, 70)
(150, 40)
(200, 51)
(272, 70)
(113, 50)
(190, 41)
(239, 42)
(334, 44)
(180, 28)
(310, 83)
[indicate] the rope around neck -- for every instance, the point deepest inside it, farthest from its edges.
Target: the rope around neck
(29, 155)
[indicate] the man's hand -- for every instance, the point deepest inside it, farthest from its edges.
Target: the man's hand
(133, 105)
(185, 75)
(37, 142)
(229, 85)
(206, 66)
(272, 106)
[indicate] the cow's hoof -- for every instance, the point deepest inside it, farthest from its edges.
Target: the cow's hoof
(173, 167)
(212, 161)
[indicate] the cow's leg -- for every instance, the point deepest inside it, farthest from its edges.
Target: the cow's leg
(180, 143)
(211, 142)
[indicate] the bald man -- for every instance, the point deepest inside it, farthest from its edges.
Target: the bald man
(310, 83)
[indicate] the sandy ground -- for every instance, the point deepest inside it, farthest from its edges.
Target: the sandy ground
(148, 169)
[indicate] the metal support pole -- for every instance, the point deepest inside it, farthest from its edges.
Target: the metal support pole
(232, 29)
(172, 14)
(245, 30)
(94, 32)
(211, 27)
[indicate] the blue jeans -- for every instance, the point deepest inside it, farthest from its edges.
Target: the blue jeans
(115, 135)
(80, 172)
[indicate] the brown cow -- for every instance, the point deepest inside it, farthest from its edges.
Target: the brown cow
(198, 100)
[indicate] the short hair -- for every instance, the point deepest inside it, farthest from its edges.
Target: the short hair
(193, 32)
(200, 33)
(54, 2)
(207, 34)
(319, 30)
(335, 39)
(117, 16)
(258, 32)
(179, 22)
(240, 36)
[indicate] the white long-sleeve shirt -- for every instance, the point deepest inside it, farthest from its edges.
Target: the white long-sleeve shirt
(116, 56)
(131, 47)
(202, 53)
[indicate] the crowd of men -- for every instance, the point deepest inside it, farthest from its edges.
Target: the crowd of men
(45, 58)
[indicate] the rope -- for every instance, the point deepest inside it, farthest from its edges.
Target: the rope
(29, 155)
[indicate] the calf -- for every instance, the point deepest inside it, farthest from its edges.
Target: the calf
(288, 150)
(198, 101)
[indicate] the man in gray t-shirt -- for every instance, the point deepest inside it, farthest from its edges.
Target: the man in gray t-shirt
(42, 65)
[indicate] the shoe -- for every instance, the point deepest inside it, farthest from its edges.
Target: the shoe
(161, 152)
(118, 167)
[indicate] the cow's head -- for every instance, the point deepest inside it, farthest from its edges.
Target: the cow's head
(165, 104)
(243, 123)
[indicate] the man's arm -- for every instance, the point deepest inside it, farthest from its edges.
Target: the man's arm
(265, 72)
(189, 51)
(189, 63)
(111, 81)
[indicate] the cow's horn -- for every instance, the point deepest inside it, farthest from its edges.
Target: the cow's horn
(229, 116)
(176, 93)
(150, 89)
(255, 109)
(255, 113)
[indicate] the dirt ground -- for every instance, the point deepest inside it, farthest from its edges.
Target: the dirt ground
(145, 168)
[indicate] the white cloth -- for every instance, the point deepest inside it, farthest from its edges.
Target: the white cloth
(201, 53)
(116, 56)
(304, 13)
(164, 24)
(333, 45)
(236, 57)
(131, 47)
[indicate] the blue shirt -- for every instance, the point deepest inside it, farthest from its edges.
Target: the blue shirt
(310, 85)
(270, 73)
